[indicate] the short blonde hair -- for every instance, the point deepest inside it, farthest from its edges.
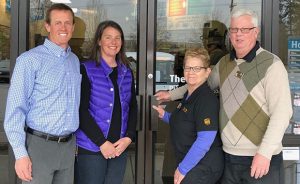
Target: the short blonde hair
(200, 53)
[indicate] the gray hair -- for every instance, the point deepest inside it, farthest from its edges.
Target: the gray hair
(236, 12)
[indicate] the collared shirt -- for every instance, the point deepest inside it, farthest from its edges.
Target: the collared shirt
(190, 123)
(44, 94)
(249, 57)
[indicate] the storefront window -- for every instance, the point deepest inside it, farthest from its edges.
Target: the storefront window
(88, 14)
(289, 26)
(184, 24)
(5, 12)
(289, 52)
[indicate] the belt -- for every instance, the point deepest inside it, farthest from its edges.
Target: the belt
(49, 137)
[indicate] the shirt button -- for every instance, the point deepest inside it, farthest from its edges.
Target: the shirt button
(111, 89)
(108, 121)
(68, 73)
(111, 104)
(68, 114)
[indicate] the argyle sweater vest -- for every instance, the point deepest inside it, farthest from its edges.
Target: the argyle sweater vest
(244, 110)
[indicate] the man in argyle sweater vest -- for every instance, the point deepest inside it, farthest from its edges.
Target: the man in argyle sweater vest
(255, 108)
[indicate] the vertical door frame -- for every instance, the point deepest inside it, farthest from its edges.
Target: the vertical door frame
(150, 83)
(146, 68)
(270, 25)
(18, 44)
(141, 86)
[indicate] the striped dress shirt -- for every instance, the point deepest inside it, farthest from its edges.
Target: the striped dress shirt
(44, 94)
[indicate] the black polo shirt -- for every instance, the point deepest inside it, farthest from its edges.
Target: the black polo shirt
(200, 112)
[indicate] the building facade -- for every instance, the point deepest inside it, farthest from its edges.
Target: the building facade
(157, 33)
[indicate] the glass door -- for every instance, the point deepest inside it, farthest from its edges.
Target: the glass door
(184, 24)
(88, 14)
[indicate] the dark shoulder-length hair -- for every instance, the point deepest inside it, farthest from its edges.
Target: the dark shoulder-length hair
(96, 54)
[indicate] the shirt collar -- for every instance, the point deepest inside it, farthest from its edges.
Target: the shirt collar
(198, 92)
(57, 50)
(249, 57)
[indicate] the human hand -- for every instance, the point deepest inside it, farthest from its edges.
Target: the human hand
(108, 150)
(121, 145)
(178, 177)
(260, 166)
(160, 110)
(163, 96)
(23, 167)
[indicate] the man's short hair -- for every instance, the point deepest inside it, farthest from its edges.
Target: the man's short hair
(237, 12)
(58, 6)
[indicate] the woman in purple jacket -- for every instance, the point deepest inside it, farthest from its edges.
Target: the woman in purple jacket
(108, 109)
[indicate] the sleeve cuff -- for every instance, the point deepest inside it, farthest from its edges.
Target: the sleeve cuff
(182, 171)
(99, 141)
(131, 135)
(20, 152)
(266, 151)
(166, 117)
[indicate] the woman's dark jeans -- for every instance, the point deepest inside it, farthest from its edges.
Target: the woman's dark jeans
(95, 169)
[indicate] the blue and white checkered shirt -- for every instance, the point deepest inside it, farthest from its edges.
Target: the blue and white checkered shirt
(44, 94)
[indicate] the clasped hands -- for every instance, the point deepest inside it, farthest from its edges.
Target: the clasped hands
(111, 150)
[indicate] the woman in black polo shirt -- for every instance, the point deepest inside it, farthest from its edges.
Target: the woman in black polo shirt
(194, 125)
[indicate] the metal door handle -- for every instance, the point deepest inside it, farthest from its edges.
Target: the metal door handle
(139, 124)
(153, 116)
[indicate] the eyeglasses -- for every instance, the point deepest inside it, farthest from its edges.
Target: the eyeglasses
(243, 30)
(195, 69)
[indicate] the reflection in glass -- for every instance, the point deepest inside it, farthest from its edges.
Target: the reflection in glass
(88, 14)
(289, 25)
(184, 24)
(4, 41)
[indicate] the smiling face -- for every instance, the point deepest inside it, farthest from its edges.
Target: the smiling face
(110, 43)
(60, 28)
(243, 42)
(195, 78)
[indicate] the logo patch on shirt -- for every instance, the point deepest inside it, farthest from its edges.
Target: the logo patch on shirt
(206, 121)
